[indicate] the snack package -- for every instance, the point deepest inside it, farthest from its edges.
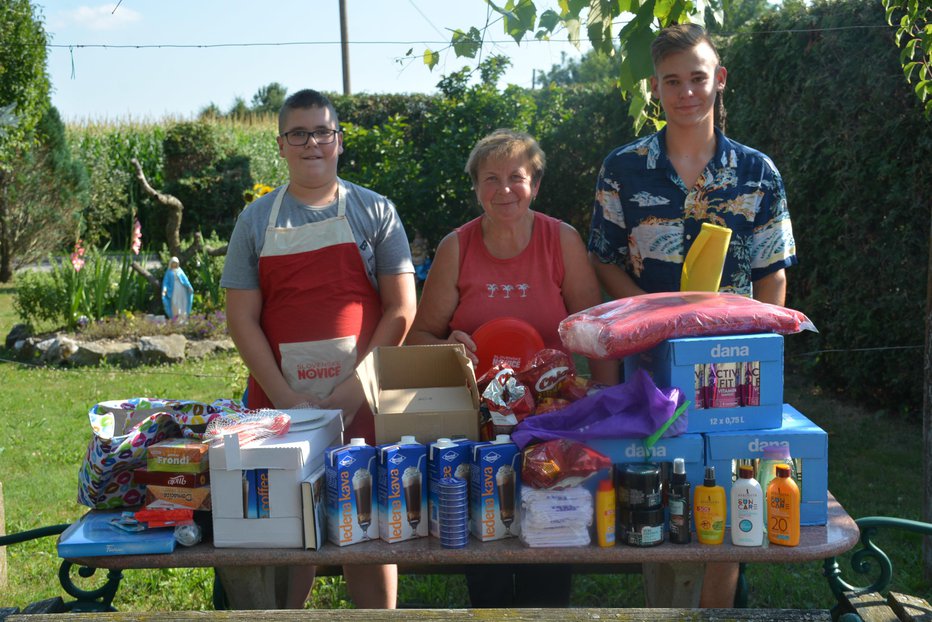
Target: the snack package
(547, 372)
(506, 401)
(560, 463)
(627, 326)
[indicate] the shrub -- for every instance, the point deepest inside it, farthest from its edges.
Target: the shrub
(858, 186)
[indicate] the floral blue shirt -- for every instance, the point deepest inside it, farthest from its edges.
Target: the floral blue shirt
(645, 219)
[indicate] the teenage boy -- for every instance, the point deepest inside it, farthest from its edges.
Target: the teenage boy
(653, 195)
(318, 273)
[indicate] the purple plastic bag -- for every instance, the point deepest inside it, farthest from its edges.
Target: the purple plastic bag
(633, 409)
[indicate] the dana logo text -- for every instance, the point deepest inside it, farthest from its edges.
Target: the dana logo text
(639, 451)
(758, 445)
(720, 351)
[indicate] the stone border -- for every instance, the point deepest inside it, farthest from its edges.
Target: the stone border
(61, 349)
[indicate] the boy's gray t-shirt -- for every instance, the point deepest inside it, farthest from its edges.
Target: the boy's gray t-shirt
(377, 228)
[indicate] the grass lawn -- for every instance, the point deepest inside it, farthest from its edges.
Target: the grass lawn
(875, 466)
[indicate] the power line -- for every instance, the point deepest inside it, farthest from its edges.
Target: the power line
(142, 46)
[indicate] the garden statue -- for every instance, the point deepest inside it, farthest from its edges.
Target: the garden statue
(177, 293)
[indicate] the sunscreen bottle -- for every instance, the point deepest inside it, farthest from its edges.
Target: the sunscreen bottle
(702, 267)
(605, 513)
(783, 508)
(679, 503)
(747, 509)
(709, 510)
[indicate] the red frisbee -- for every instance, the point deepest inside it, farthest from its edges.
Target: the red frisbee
(506, 340)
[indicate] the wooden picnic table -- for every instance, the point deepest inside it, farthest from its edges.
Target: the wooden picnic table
(672, 572)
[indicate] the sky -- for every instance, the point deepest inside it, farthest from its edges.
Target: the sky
(150, 83)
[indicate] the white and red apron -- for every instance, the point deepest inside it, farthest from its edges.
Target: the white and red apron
(319, 308)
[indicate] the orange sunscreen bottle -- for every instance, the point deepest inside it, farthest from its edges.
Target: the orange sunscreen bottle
(783, 508)
(709, 509)
(605, 513)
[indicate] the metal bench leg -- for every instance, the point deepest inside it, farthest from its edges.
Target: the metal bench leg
(100, 599)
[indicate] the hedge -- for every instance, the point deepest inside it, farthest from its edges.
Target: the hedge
(829, 104)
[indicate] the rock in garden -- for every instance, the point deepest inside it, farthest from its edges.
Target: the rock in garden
(199, 348)
(18, 333)
(49, 351)
(93, 353)
(162, 349)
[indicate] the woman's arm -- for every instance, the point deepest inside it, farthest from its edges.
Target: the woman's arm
(439, 301)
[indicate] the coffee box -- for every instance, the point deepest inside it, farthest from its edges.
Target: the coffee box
(402, 490)
(495, 481)
(352, 513)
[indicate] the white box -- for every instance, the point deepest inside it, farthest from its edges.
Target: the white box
(289, 459)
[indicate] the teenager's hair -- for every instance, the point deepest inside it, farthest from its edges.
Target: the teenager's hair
(503, 144)
(307, 98)
(682, 37)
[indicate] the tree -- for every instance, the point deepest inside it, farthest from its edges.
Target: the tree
(738, 15)
(592, 67)
(914, 36)
(269, 99)
(24, 97)
(46, 192)
(520, 19)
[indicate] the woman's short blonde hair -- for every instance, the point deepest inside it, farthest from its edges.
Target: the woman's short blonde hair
(505, 144)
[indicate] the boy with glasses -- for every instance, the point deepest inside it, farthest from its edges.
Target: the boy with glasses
(318, 273)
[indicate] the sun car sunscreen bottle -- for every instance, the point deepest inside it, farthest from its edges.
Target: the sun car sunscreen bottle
(747, 509)
(605, 513)
(679, 501)
(709, 509)
(783, 508)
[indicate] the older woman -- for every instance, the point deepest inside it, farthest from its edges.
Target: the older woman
(510, 261)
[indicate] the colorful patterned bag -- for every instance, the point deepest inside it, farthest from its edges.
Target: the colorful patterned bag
(122, 432)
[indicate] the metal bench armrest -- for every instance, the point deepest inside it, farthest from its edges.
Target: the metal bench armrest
(870, 560)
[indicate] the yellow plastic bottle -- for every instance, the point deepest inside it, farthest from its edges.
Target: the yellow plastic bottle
(702, 267)
(783, 508)
(605, 513)
(709, 509)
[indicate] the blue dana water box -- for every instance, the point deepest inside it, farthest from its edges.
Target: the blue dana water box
(352, 514)
(689, 447)
(808, 447)
(734, 382)
(495, 487)
(402, 490)
(445, 458)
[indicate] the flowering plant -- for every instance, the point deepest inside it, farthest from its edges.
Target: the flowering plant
(257, 190)
(136, 242)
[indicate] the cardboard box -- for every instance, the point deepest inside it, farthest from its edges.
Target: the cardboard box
(428, 392)
(289, 459)
(177, 455)
(674, 362)
(689, 447)
(808, 446)
(177, 498)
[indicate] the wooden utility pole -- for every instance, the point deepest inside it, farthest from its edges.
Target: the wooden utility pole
(344, 46)
(927, 424)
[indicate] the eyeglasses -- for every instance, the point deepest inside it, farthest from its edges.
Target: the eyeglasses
(299, 138)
